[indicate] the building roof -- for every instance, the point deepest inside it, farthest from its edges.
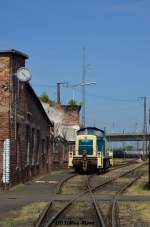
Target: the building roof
(94, 128)
(57, 114)
(13, 51)
(28, 86)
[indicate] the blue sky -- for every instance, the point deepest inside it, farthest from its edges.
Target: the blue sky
(116, 34)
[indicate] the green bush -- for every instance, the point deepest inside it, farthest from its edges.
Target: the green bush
(72, 102)
(44, 97)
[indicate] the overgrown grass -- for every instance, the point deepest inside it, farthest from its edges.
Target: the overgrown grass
(139, 187)
(143, 210)
(25, 217)
(139, 212)
(16, 187)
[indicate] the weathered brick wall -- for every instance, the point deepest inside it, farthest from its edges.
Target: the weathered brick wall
(71, 115)
(16, 62)
(4, 103)
(31, 140)
(39, 144)
(22, 119)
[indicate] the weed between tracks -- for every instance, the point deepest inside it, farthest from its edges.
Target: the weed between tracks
(25, 217)
(74, 185)
(139, 187)
(79, 214)
(134, 214)
(116, 185)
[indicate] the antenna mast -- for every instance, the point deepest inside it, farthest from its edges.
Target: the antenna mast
(83, 87)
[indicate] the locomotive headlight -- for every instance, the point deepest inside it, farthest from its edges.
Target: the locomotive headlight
(70, 161)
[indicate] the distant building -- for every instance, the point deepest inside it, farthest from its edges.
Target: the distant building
(65, 118)
(24, 125)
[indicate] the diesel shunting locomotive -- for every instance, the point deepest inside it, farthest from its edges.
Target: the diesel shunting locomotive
(91, 151)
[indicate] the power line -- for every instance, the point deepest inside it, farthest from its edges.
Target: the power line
(43, 85)
(107, 98)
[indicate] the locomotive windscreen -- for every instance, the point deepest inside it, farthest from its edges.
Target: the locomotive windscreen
(85, 146)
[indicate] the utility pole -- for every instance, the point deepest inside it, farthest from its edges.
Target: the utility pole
(149, 165)
(149, 117)
(144, 126)
(83, 87)
(137, 142)
(83, 84)
(58, 93)
(124, 150)
(149, 157)
(58, 90)
(145, 118)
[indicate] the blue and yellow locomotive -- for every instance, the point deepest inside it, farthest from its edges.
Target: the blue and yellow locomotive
(91, 151)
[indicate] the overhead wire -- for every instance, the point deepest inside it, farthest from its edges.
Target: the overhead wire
(43, 85)
(107, 98)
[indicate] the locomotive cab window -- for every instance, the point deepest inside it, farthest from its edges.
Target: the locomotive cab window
(101, 145)
(86, 146)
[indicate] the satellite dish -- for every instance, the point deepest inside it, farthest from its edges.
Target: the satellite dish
(23, 74)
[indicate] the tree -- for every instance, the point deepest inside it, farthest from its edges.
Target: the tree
(72, 102)
(44, 97)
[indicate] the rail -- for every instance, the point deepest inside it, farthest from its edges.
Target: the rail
(98, 210)
(113, 213)
(89, 189)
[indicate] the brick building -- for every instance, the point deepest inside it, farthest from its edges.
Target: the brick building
(66, 120)
(24, 126)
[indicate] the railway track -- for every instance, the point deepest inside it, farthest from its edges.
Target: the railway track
(43, 216)
(125, 163)
(114, 208)
(69, 180)
(47, 218)
(96, 206)
(60, 185)
(113, 214)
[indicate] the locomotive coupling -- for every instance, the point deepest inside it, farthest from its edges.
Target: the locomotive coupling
(84, 162)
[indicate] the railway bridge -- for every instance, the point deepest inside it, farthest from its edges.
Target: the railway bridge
(135, 136)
